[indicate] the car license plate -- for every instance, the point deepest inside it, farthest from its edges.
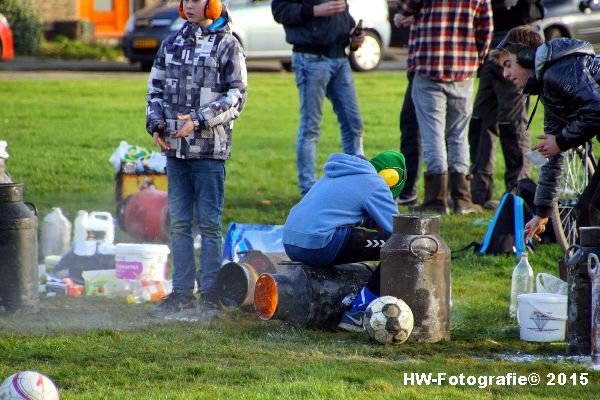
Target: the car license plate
(145, 43)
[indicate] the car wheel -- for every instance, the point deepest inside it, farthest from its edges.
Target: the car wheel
(287, 65)
(368, 56)
(147, 65)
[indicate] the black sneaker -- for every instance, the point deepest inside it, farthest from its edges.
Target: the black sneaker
(211, 309)
(173, 304)
(352, 321)
(406, 200)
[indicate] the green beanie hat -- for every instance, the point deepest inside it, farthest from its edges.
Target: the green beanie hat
(391, 166)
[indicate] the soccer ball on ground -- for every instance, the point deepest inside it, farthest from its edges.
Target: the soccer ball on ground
(28, 385)
(388, 320)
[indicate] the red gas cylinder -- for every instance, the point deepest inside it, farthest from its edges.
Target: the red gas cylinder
(144, 215)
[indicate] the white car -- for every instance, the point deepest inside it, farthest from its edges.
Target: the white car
(263, 38)
(254, 26)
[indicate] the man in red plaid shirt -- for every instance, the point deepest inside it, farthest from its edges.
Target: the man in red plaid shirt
(448, 42)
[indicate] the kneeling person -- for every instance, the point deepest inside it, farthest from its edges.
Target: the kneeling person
(327, 226)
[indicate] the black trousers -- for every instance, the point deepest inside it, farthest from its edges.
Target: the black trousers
(588, 206)
(500, 112)
(364, 245)
(410, 141)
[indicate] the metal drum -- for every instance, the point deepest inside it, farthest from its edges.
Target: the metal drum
(579, 304)
(415, 267)
(18, 251)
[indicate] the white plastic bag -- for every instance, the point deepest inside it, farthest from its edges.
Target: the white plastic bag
(118, 155)
(547, 283)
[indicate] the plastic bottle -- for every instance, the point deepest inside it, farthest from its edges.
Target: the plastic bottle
(357, 32)
(56, 234)
(4, 175)
(121, 288)
(80, 245)
(149, 291)
(521, 282)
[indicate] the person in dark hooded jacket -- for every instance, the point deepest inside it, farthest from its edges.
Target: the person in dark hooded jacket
(565, 73)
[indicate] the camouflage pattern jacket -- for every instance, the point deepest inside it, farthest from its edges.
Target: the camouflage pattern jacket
(200, 72)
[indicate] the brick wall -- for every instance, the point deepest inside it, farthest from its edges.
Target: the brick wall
(57, 10)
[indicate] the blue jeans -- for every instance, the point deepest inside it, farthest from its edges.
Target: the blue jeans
(196, 189)
(316, 77)
(443, 112)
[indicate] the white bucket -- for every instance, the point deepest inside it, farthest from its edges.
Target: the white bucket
(141, 261)
(542, 317)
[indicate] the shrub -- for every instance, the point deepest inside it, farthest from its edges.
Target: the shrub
(24, 23)
(62, 47)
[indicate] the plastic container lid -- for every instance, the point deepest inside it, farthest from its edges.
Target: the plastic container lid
(141, 248)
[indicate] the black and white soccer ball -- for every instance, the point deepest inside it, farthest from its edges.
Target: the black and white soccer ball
(28, 385)
(388, 320)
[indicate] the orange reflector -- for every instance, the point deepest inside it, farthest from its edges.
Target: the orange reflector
(265, 296)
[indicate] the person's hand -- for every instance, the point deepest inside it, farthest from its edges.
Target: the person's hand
(401, 21)
(160, 141)
(547, 147)
(187, 128)
(535, 227)
(357, 41)
(329, 8)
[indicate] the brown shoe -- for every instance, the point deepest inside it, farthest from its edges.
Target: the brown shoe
(460, 192)
(436, 195)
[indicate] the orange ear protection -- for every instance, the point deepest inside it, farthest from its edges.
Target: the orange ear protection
(212, 10)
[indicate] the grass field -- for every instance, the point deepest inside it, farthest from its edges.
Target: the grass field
(61, 133)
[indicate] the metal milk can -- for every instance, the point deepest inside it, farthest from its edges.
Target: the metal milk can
(579, 304)
(415, 267)
(593, 265)
(18, 251)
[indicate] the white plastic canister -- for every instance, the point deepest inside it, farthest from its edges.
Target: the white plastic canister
(91, 230)
(542, 317)
(55, 237)
(141, 261)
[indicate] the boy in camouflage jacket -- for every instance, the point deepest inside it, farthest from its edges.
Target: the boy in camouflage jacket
(196, 89)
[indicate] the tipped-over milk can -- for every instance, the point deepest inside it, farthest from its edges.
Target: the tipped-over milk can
(18, 251)
(415, 267)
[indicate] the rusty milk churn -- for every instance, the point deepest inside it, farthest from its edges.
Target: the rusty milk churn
(579, 303)
(236, 280)
(306, 296)
(415, 267)
(18, 251)
(593, 264)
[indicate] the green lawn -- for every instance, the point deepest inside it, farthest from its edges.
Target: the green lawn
(61, 133)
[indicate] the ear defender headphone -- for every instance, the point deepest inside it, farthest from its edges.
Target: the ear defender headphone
(525, 55)
(212, 10)
(393, 176)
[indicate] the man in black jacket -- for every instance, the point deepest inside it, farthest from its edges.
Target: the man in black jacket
(565, 73)
(500, 111)
(320, 31)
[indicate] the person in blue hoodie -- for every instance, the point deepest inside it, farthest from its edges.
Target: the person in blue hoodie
(347, 210)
